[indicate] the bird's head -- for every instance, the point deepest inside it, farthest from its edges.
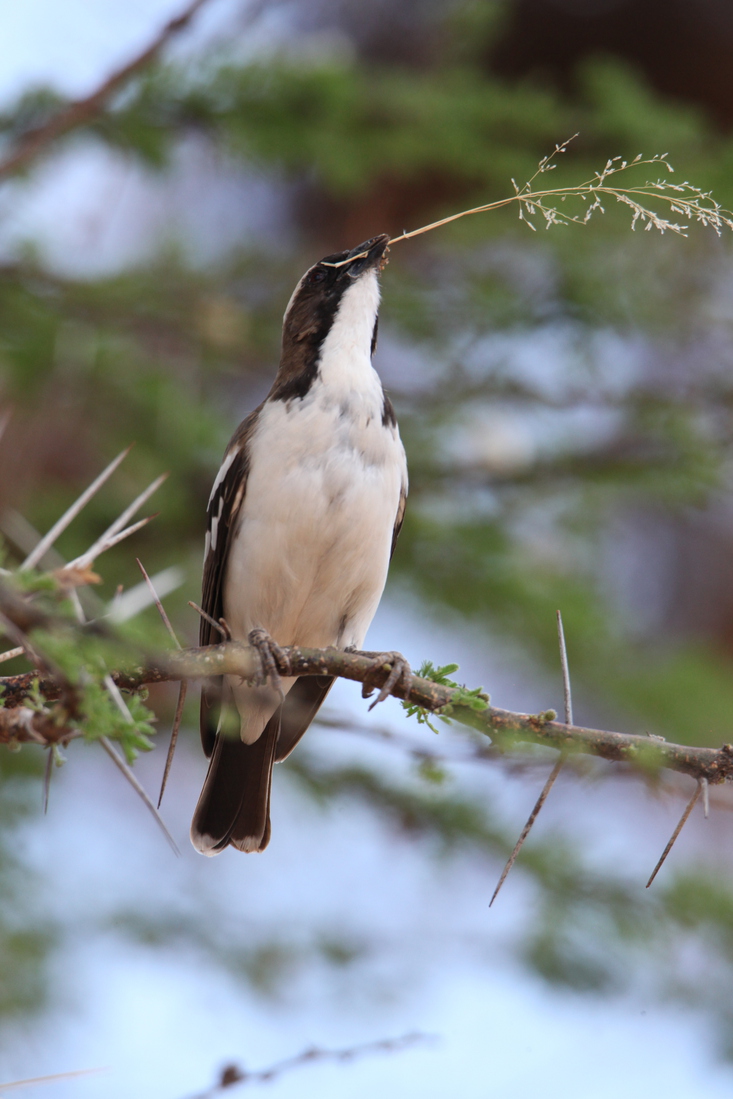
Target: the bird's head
(339, 284)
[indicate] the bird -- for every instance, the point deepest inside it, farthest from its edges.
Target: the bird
(302, 523)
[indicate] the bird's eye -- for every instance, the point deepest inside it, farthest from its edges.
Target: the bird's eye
(317, 276)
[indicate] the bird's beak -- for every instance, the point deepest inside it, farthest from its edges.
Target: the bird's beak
(369, 254)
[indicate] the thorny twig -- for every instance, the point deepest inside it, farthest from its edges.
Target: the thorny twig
(115, 532)
(39, 551)
(504, 727)
(24, 618)
(472, 752)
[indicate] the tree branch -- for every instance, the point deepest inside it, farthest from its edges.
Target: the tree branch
(504, 727)
(81, 111)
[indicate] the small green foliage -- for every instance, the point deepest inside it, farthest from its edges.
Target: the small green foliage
(85, 660)
(34, 700)
(103, 717)
(30, 581)
(427, 670)
(475, 699)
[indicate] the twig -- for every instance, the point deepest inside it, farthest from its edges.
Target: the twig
(159, 605)
(82, 111)
(568, 697)
(223, 630)
(130, 602)
(114, 533)
(24, 535)
(47, 772)
(133, 508)
(87, 559)
(109, 682)
(504, 727)
(120, 763)
(182, 691)
(10, 654)
(567, 693)
(61, 524)
(232, 1075)
(528, 826)
(675, 834)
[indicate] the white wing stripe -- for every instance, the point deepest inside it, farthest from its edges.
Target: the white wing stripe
(225, 467)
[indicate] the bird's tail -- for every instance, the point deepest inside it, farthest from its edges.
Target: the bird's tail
(234, 806)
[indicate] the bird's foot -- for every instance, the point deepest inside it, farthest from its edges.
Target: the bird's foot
(399, 673)
(273, 661)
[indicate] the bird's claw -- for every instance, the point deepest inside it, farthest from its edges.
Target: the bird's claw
(273, 660)
(400, 672)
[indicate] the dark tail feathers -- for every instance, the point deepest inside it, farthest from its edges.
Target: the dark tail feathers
(234, 807)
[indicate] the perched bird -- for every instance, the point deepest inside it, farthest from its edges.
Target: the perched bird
(302, 521)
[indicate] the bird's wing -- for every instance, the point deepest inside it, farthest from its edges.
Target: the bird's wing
(225, 505)
(399, 518)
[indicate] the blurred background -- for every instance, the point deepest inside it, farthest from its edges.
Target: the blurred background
(565, 400)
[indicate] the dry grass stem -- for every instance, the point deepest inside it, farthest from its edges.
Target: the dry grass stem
(685, 199)
(673, 838)
(39, 551)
